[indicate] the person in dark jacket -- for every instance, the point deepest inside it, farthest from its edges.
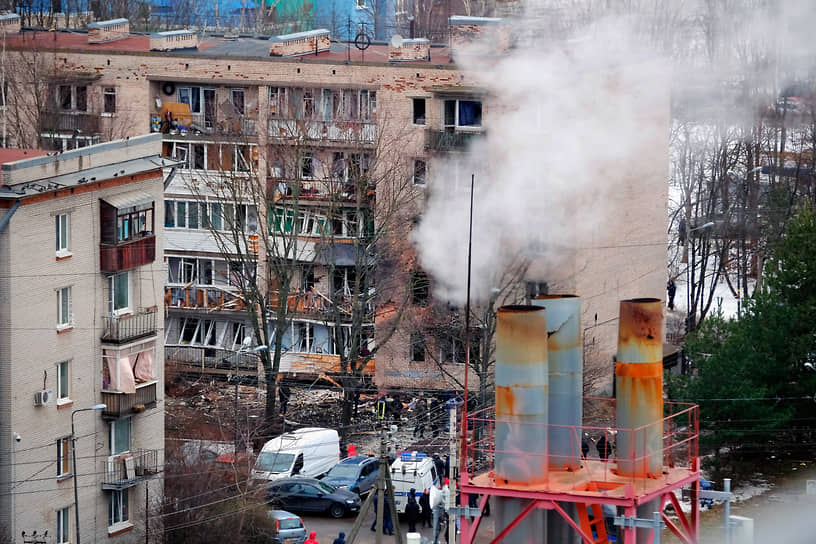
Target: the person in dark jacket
(412, 511)
(420, 417)
(671, 288)
(341, 539)
(425, 503)
(387, 522)
(283, 397)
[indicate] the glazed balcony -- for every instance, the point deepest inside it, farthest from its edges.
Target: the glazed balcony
(202, 298)
(121, 329)
(119, 404)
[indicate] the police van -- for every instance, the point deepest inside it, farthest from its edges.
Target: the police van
(412, 470)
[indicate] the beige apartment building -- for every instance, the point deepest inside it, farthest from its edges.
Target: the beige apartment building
(303, 111)
(81, 286)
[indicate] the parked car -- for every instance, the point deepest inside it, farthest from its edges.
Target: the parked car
(311, 495)
(357, 474)
(288, 528)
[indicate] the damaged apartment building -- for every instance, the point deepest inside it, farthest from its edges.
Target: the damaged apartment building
(300, 143)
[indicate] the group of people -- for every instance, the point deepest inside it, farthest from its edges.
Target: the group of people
(604, 444)
(429, 509)
(341, 538)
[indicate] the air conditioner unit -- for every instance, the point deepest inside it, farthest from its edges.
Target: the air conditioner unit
(42, 397)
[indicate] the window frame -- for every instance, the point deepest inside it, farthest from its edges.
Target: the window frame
(417, 343)
(420, 180)
(64, 458)
(240, 109)
(108, 108)
(64, 389)
(112, 442)
(423, 119)
(456, 125)
(65, 316)
(114, 290)
(63, 234)
(63, 532)
(119, 510)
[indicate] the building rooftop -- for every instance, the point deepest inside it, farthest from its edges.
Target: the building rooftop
(209, 46)
(12, 155)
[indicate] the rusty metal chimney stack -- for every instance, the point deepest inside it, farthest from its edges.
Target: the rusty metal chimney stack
(639, 383)
(522, 378)
(565, 359)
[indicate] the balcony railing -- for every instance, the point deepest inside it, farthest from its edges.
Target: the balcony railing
(127, 255)
(126, 328)
(118, 404)
(201, 126)
(129, 469)
(56, 121)
(347, 132)
(440, 140)
(198, 298)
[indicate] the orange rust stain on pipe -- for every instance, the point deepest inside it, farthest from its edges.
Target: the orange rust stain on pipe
(639, 370)
(521, 337)
(641, 322)
(505, 401)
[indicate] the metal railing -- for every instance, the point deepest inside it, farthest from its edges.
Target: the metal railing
(119, 404)
(602, 467)
(120, 329)
(86, 123)
(129, 469)
(333, 131)
(210, 298)
(441, 140)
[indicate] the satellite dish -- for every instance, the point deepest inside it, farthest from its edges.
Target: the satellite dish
(396, 41)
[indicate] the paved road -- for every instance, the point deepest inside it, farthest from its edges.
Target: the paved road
(328, 528)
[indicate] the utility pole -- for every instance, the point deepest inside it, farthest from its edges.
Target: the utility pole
(453, 473)
(384, 491)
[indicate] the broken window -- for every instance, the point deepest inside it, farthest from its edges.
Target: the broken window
(419, 172)
(420, 288)
(109, 99)
(417, 347)
(307, 165)
(419, 111)
(278, 106)
(305, 336)
(237, 98)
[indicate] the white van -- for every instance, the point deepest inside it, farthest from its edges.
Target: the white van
(311, 452)
(411, 470)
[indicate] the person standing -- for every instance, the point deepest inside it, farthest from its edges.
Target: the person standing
(283, 397)
(341, 538)
(420, 416)
(425, 504)
(412, 511)
(312, 538)
(671, 288)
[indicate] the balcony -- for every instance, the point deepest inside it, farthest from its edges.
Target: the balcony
(86, 123)
(119, 405)
(202, 298)
(344, 132)
(127, 255)
(129, 469)
(126, 328)
(318, 189)
(440, 140)
(229, 127)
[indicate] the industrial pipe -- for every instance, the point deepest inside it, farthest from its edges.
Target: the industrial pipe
(639, 385)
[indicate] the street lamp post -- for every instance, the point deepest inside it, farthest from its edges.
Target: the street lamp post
(689, 266)
(74, 463)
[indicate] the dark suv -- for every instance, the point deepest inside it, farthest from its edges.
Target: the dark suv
(311, 495)
(357, 474)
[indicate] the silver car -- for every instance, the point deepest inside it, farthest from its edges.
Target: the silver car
(289, 528)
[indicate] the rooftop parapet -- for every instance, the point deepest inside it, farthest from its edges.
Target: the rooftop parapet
(108, 31)
(300, 43)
